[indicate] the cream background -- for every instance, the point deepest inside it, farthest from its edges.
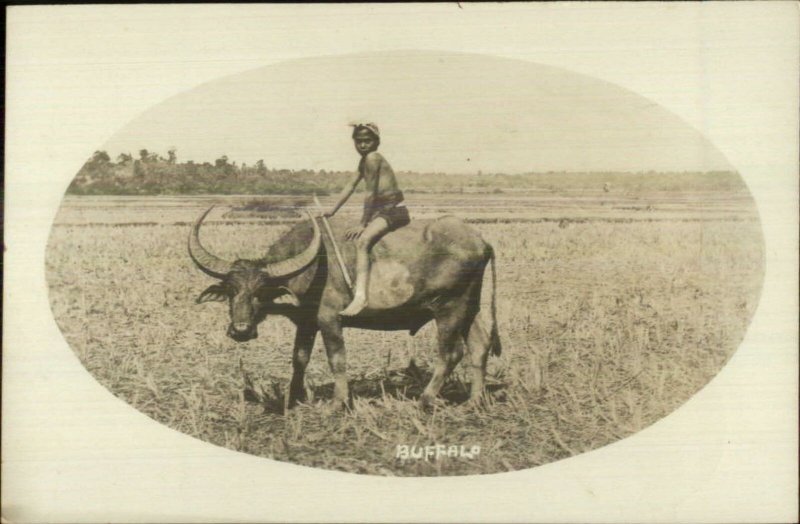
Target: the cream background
(76, 74)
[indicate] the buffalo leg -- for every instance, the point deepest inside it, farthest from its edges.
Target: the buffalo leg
(331, 330)
(449, 333)
(303, 344)
(478, 346)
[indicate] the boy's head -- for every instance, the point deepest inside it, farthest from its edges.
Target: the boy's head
(366, 137)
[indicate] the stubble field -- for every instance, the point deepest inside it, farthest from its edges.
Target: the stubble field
(613, 311)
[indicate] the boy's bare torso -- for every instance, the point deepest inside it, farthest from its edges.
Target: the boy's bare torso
(379, 178)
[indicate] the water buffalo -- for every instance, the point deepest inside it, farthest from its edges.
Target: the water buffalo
(428, 270)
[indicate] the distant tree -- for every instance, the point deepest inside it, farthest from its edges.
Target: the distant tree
(173, 157)
(100, 157)
(143, 154)
(124, 158)
(138, 169)
(261, 168)
(221, 161)
(97, 167)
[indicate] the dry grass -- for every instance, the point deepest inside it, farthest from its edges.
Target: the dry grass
(607, 327)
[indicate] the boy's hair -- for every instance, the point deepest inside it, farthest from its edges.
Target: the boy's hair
(371, 127)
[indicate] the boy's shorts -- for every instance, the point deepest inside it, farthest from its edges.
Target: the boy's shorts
(395, 216)
(386, 207)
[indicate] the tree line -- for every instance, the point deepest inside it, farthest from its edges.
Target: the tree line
(154, 174)
(150, 173)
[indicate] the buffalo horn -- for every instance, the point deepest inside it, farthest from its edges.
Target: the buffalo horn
(210, 264)
(286, 267)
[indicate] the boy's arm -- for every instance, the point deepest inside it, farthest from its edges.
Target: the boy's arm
(345, 194)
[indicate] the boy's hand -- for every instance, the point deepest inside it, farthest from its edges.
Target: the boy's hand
(354, 232)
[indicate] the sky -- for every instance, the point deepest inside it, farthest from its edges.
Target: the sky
(438, 112)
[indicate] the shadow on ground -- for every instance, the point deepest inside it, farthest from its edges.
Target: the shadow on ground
(405, 384)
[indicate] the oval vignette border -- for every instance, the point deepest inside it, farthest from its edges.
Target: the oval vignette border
(142, 369)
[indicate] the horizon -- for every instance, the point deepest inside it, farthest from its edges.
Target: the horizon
(238, 164)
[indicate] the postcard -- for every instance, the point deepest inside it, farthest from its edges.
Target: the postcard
(401, 263)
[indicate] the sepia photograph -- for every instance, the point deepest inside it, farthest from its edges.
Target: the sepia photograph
(382, 260)
(563, 277)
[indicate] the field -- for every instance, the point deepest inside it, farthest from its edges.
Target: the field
(614, 309)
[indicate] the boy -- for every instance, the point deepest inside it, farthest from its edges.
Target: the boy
(381, 210)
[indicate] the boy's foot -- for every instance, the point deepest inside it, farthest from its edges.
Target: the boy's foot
(356, 306)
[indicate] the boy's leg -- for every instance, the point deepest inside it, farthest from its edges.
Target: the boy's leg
(371, 233)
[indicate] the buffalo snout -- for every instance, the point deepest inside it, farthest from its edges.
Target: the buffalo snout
(242, 331)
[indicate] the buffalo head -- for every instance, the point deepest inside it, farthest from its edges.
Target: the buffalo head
(249, 286)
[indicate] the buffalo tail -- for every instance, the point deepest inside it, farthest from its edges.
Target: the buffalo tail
(494, 338)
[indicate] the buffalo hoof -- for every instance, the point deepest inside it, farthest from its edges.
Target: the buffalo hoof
(478, 403)
(336, 406)
(296, 398)
(428, 402)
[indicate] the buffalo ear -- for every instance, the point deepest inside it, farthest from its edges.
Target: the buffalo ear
(214, 293)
